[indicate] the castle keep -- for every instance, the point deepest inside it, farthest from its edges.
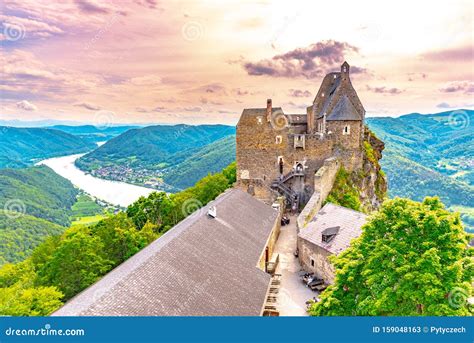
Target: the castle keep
(279, 153)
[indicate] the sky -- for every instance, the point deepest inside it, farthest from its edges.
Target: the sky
(154, 61)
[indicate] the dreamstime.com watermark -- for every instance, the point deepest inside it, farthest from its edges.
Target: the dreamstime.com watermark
(13, 31)
(191, 207)
(14, 208)
(44, 331)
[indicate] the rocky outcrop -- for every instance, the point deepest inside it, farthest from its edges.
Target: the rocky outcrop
(371, 182)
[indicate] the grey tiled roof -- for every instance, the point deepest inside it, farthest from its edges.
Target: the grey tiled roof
(331, 215)
(344, 110)
(203, 266)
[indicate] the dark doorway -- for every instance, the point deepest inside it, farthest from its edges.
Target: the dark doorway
(280, 164)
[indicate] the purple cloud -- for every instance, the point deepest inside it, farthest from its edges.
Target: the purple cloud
(384, 90)
(88, 6)
(87, 106)
(310, 62)
(458, 86)
(298, 93)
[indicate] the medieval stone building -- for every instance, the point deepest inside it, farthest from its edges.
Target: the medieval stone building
(279, 153)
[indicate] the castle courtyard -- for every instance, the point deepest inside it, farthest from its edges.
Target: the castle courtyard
(293, 293)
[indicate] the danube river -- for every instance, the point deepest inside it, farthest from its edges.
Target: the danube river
(113, 192)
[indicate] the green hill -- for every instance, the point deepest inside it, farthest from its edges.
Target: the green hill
(429, 155)
(25, 146)
(39, 192)
(166, 157)
(209, 159)
(35, 203)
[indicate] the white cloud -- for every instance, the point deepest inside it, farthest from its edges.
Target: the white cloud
(26, 105)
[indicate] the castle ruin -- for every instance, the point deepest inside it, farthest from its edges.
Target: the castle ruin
(279, 154)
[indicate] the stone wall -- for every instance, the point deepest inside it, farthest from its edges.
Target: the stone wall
(323, 182)
(270, 246)
(258, 152)
(322, 266)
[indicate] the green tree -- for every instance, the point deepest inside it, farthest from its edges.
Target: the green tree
(411, 259)
(76, 263)
(119, 238)
(155, 208)
(230, 172)
(18, 301)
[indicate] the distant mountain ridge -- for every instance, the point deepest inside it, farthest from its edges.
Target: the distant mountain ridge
(20, 147)
(430, 154)
(94, 133)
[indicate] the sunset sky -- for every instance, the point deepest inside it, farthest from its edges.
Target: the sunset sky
(152, 61)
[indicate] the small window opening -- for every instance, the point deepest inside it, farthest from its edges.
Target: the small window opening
(280, 164)
(347, 130)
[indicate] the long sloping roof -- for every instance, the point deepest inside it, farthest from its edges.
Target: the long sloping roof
(331, 216)
(203, 266)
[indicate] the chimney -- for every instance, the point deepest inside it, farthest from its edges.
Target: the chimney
(269, 109)
(212, 212)
(345, 71)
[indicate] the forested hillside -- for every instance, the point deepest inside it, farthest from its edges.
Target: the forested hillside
(19, 235)
(429, 155)
(37, 191)
(35, 203)
(20, 147)
(164, 157)
(209, 159)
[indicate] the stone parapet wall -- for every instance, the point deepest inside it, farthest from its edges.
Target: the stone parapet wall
(323, 183)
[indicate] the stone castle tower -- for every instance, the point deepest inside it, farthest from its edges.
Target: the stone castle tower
(279, 154)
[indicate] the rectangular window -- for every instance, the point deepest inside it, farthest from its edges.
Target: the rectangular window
(347, 130)
(312, 261)
(278, 140)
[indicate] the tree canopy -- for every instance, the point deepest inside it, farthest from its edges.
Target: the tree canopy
(411, 259)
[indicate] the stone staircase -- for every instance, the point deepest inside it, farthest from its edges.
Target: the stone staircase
(279, 185)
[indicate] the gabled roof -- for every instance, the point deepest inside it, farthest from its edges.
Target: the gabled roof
(344, 110)
(337, 98)
(203, 266)
(349, 223)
